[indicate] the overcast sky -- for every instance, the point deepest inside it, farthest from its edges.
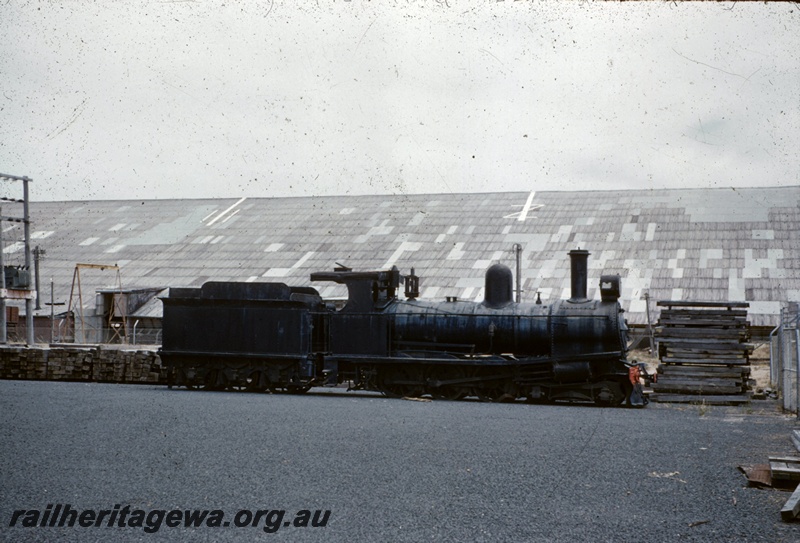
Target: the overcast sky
(195, 99)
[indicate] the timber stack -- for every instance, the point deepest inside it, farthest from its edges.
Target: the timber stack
(81, 363)
(704, 352)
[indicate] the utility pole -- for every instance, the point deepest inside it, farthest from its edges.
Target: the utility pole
(649, 325)
(30, 340)
(21, 291)
(37, 255)
(518, 255)
(52, 305)
(3, 324)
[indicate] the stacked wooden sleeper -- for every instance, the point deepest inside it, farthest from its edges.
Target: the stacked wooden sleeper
(81, 364)
(704, 352)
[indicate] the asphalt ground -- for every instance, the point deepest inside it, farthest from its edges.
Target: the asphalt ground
(387, 469)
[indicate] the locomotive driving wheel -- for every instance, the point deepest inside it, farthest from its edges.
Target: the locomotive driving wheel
(438, 385)
(500, 392)
(495, 389)
(611, 394)
(402, 382)
(536, 394)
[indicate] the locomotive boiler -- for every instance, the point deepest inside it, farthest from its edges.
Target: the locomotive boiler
(260, 336)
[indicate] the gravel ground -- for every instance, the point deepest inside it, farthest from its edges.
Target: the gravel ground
(387, 469)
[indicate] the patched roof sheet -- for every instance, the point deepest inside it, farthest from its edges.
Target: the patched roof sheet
(698, 244)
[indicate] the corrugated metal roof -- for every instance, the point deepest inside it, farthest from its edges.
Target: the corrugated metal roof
(152, 308)
(698, 244)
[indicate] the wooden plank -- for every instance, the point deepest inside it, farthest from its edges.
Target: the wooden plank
(682, 312)
(691, 316)
(710, 329)
(732, 315)
(791, 508)
(704, 322)
(786, 459)
(670, 378)
(699, 311)
(732, 363)
(738, 379)
(692, 368)
(695, 388)
(703, 358)
(705, 344)
(785, 472)
(706, 333)
(672, 312)
(718, 362)
(735, 399)
(706, 353)
(737, 314)
(670, 372)
(757, 476)
(683, 303)
(702, 369)
(717, 343)
(705, 381)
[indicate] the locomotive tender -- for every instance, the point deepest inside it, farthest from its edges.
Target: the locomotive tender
(258, 336)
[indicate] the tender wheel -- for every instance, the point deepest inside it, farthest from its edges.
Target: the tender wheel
(249, 383)
(188, 378)
(214, 380)
(256, 382)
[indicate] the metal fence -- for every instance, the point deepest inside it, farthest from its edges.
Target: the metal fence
(144, 336)
(784, 358)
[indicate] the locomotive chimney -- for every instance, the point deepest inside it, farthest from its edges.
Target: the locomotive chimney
(580, 273)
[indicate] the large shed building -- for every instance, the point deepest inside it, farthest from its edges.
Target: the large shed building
(721, 244)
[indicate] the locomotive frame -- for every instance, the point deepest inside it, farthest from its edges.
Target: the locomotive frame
(269, 336)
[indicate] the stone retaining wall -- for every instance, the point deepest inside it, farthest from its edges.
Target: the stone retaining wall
(90, 363)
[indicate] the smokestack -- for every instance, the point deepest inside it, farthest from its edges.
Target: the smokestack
(580, 274)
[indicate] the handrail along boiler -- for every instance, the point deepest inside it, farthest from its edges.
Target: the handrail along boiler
(259, 336)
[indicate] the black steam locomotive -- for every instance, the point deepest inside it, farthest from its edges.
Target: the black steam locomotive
(259, 336)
